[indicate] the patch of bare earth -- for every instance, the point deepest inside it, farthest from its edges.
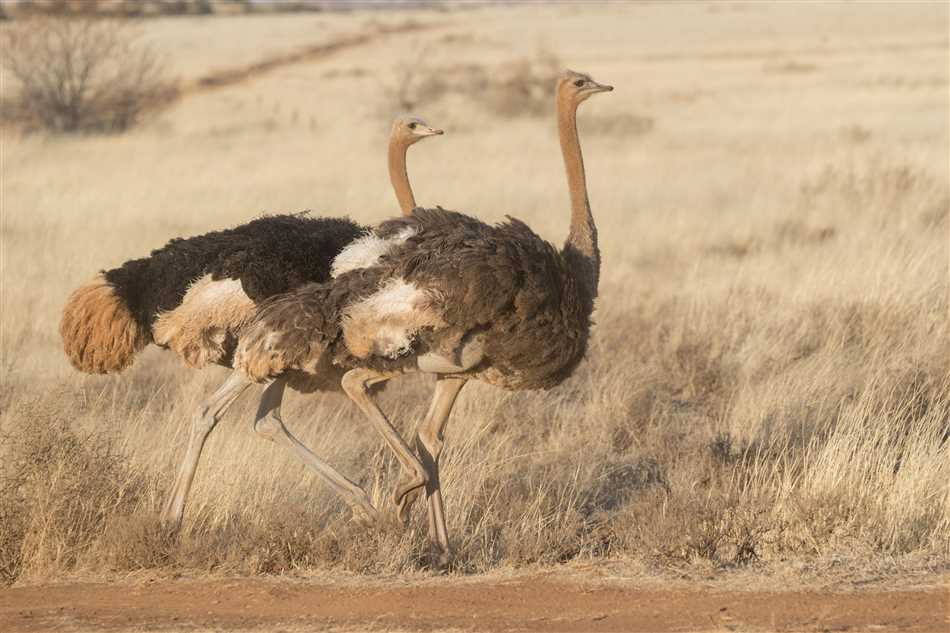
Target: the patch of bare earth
(240, 74)
(534, 603)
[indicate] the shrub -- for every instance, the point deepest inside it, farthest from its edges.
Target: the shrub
(524, 88)
(81, 75)
(58, 487)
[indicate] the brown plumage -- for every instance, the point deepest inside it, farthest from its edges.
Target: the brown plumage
(460, 278)
(503, 283)
(448, 295)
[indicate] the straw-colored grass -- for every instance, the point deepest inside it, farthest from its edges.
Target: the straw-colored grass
(768, 382)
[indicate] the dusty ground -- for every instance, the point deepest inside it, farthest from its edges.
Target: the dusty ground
(530, 603)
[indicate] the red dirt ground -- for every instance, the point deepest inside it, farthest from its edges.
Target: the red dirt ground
(522, 604)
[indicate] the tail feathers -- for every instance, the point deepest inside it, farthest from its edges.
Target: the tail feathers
(100, 335)
(262, 354)
(387, 322)
(285, 335)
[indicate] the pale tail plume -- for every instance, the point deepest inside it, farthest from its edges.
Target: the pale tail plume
(199, 327)
(386, 322)
(100, 335)
(367, 251)
(260, 355)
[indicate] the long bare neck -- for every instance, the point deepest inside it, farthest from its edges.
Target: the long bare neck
(398, 175)
(581, 245)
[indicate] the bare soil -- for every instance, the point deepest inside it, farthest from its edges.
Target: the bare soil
(536, 603)
(240, 74)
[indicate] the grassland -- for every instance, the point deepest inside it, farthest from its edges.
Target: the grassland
(768, 385)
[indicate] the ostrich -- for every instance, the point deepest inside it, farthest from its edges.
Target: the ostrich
(195, 295)
(457, 298)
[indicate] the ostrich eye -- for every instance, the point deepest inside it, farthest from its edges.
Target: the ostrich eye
(412, 126)
(579, 83)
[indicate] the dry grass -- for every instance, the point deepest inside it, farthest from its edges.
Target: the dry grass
(768, 384)
(80, 75)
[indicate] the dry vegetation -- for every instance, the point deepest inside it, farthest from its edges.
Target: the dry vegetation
(523, 87)
(80, 75)
(768, 384)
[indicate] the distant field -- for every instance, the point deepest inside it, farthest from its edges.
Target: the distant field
(768, 387)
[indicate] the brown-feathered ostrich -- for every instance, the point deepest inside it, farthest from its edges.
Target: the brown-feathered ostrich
(457, 298)
(194, 296)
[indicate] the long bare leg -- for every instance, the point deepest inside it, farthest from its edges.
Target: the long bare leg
(202, 424)
(443, 398)
(429, 443)
(356, 383)
(269, 425)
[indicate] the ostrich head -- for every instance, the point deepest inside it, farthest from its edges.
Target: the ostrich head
(412, 129)
(576, 87)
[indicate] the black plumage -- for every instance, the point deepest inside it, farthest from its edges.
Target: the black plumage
(106, 322)
(269, 255)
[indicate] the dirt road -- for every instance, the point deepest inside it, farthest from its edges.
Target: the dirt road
(238, 74)
(522, 604)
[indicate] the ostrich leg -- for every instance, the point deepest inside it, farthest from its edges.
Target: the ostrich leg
(429, 443)
(269, 425)
(201, 426)
(356, 383)
(443, 398)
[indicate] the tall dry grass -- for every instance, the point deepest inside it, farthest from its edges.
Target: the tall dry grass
(768, 383)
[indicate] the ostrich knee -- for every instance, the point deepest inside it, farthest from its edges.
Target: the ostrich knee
(433, 444)
(204, 421)
(269, 427)
(355, 384)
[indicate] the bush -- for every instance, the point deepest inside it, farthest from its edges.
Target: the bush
(58, 488)
(523, 88)
(81, 75)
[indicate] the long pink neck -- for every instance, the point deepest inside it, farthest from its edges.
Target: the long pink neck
(398, 175)
(581, 245)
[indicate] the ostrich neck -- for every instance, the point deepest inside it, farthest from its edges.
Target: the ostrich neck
(581, 246)
(399, 177)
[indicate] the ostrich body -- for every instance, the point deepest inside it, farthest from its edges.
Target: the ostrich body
(195, 295)
(457, 298)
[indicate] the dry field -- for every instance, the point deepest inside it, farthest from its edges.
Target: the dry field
(766, 401)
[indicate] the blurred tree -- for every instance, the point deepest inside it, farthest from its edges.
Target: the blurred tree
(81, 74)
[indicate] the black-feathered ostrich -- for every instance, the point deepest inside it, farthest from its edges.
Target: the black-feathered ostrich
(195, 295)
(457, 298)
